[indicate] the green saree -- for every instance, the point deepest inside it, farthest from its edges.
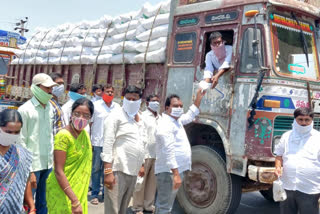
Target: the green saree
(77, 169)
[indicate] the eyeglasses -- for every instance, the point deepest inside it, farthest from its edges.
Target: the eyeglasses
(78, 114)
(216, 43)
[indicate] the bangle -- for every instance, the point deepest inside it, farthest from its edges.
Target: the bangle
(75, 205)
(31, 211)
(66, 188)
(107, 171)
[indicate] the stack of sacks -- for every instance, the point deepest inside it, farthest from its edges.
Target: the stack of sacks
(86, 42)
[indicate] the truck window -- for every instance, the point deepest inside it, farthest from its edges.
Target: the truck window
(294, 51)
(249, 59)
(4, 61)
(184, 48)
(227, 36)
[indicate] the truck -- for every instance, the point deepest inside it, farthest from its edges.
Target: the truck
(9, 44)
(275, 69)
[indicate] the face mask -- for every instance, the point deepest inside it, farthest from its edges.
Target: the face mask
(220, 52)
(97, 97)
(302, 129)
(75, 96)
(58, 90)
(154, 106)
(176, 112)
(131, 107)
(79, 123)
(107, 98)
(41, 95)
(8, 139)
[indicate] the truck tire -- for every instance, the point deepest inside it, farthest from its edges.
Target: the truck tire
(208, 188)
(268, 194)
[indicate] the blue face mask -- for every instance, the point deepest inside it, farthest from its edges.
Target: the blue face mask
(75, 96)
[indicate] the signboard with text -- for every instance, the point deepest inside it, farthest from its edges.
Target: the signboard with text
(221, 17)
(184, 48)
(11, 39)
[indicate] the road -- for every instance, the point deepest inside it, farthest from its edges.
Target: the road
(251, 203)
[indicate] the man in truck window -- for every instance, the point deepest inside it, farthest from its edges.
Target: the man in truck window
(298, 164)
(173, 150)
(37, 135)
(218, 60)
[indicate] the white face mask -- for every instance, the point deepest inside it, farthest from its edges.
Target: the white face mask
(97, 97)
(8, 139)
(131, 107)
(302, 129)
(176, 112)
(58, 90)
(154, 106)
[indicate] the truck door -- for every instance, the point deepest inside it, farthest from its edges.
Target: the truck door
(217, 101)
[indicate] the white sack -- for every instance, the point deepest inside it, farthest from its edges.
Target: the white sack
(160, 31)
(153, 45)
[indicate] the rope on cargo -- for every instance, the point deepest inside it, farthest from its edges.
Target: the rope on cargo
(82, 47)
(35, 58)
(55, 39)
(123, 68)
(64, 45)
(94, 69)
(143, 85)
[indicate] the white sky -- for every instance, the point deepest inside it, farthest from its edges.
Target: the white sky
(50, 13)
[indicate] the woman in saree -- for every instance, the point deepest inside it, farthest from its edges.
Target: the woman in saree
(15, 163)
(68, 183)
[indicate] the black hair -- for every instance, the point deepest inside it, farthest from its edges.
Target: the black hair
(55, 76)
(133, 89)
(74, 87)
(96, 87)
(303, 112)
(83, 102)
(10, 115)
(169, 98)
(151, 96)
(214, 35)
(108, 86)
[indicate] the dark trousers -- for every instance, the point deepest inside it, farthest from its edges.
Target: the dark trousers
(300, 202)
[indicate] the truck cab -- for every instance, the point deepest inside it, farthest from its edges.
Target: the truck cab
(275, 69)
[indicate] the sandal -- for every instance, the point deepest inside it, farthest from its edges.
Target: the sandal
(94, 201)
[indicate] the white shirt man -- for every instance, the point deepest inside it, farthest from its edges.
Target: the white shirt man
(299, 153)
(173, 150)
(102, 109)
(123, 152)
(144, 198)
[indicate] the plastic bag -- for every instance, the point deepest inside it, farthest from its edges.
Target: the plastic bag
(279, 194)
(204, 85)
(139, 184)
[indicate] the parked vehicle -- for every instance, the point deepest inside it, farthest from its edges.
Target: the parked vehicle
(275, 70)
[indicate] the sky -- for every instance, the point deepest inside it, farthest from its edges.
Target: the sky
(50, 13)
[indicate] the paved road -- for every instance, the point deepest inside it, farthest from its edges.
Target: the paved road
(251, 203)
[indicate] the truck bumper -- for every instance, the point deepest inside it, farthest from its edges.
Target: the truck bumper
(262, 174)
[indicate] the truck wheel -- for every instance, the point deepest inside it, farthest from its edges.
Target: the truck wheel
(208, 188)
(268, 194)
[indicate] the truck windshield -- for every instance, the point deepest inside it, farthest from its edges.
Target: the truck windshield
(4, 61)
(294, 54)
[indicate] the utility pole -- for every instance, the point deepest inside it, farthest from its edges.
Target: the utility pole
(22, 29)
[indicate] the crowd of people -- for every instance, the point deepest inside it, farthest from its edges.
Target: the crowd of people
(50, 153)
